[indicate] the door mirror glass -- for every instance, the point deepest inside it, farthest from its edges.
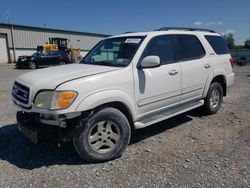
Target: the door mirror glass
(150, 62)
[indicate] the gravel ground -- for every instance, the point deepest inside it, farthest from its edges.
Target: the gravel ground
(190, 150)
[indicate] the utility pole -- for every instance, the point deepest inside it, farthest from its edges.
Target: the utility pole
(8, 16)
(13, 43)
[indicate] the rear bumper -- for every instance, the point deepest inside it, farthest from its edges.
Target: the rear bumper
(230, 79)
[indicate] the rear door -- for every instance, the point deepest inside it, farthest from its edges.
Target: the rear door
(194, 64)
(55, 58)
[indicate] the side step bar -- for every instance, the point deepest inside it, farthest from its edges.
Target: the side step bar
(165, 114)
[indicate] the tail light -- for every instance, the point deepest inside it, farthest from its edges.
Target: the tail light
(231, 62)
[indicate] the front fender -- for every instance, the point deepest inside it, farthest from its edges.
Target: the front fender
(96, 99)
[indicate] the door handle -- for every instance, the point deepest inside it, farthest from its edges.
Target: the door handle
(173, 72)
(207, 66)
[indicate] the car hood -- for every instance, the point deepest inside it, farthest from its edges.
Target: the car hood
(50, 78)
(23, 58)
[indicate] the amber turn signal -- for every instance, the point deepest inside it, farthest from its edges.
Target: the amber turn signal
(63, 99)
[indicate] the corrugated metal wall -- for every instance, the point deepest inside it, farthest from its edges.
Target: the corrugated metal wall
(238, 53)
(28, 37)
(6, 30)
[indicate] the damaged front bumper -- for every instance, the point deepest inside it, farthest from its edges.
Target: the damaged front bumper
(37, 127)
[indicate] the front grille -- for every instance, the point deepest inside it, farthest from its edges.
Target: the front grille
(20, 93)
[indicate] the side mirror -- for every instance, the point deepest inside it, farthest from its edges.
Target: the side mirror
(150, 62)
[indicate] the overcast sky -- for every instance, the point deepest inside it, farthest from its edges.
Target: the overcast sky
(114, 16)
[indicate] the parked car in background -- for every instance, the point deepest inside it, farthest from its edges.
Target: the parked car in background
(42, 59)
(242, 61)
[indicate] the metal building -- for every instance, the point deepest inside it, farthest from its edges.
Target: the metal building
(239, 53)
(16, 40)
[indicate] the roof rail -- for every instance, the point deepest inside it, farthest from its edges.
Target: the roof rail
(129, 32)
(184, 28)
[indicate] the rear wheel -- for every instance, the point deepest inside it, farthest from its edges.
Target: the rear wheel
(104, 137)
(32, 65)
(214, 98)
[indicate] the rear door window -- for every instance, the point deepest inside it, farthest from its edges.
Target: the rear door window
(189, 47)
(218, 44)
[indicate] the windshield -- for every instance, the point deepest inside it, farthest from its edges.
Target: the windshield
(35, 54)
(117, 52)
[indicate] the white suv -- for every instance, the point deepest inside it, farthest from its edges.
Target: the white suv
(125, 82)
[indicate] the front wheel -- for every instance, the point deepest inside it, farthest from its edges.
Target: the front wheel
(214, 98)
(104, 137)
(32, 65)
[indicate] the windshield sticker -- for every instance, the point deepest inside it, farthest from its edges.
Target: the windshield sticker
(132, 40)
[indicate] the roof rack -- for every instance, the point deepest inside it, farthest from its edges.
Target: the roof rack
(184, 28)
(129, 32)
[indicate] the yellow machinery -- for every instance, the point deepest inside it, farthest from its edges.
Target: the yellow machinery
(61, 44)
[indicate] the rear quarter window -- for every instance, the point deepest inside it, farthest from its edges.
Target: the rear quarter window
(218, 44)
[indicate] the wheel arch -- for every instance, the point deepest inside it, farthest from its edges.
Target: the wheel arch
(220, 78)
(121, 107)
(111, 98)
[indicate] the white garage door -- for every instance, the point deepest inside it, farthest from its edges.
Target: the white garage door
(3, 49)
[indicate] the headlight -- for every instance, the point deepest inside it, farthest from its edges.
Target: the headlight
(54, 100)
(43, 100)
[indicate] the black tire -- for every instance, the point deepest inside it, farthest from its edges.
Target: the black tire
(82, 142)
(62, 63)
(208, 107)
(32, 65)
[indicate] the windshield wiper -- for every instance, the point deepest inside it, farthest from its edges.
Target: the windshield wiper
(102, 63)
(105, 63)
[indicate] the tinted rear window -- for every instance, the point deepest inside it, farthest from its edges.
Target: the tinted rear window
(189, 47)
(218, 44)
